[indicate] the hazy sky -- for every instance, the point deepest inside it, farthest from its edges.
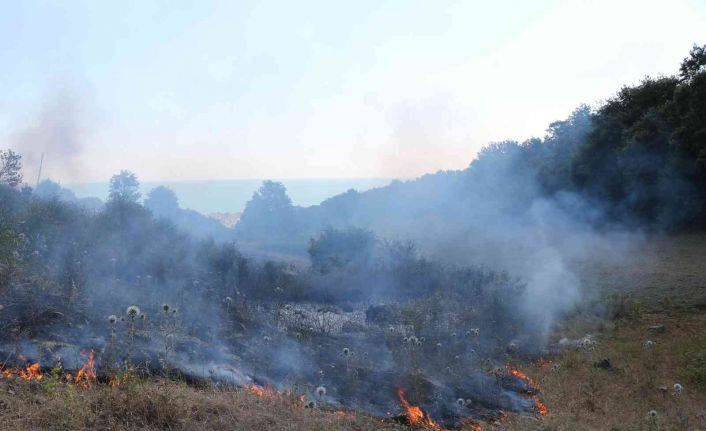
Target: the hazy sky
(252, 89)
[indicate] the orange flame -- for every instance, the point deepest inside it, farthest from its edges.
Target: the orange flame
(539, 406)
(519, 374)
(416, 416)
(262, 392)
(30, 372)
(86, 376)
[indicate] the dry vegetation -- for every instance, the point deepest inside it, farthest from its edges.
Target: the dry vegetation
(162, 405)
(662, 285)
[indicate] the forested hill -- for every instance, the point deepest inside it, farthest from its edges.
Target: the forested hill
(638, 159)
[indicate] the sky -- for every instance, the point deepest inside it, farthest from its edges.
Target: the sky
(210, 90)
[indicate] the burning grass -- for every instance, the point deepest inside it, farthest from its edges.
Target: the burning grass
(416, 416)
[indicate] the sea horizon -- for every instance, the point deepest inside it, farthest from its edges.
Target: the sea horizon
(211, 196)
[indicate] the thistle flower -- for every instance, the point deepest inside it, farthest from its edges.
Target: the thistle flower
(112, 319)
(648, 344)
(132, 311)
(321, 391)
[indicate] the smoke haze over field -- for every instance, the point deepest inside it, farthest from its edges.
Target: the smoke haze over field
(60, 130)
(219, 90)
(367, 294)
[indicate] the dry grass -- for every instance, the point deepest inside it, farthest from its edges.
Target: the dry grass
(582, 397)
(162, 405)
(665, 273)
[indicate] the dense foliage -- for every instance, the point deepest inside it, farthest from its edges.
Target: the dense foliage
(639, 159)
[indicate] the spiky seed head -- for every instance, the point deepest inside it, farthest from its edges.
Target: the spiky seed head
(132, 311)
(166, 307)
(266, 339)
(469, 401)
(405, 340)
(112, 319)
(321, 391)
(229, 299)
(413, 340)
(678, 388)
(652, 413)
(346, 351)
(461, 402)
(143, 316)
(422, 339)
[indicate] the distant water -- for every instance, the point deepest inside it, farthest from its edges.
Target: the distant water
(232, 195)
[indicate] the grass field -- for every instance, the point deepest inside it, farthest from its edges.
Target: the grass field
(662, 281)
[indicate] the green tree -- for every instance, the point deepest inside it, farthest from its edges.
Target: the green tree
(162, 201)
(124, 187)
(336, 248)
(268, 215)
(694, 64)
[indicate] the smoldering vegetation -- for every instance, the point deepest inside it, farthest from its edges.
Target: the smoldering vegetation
(365, 319)
(422, 293)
